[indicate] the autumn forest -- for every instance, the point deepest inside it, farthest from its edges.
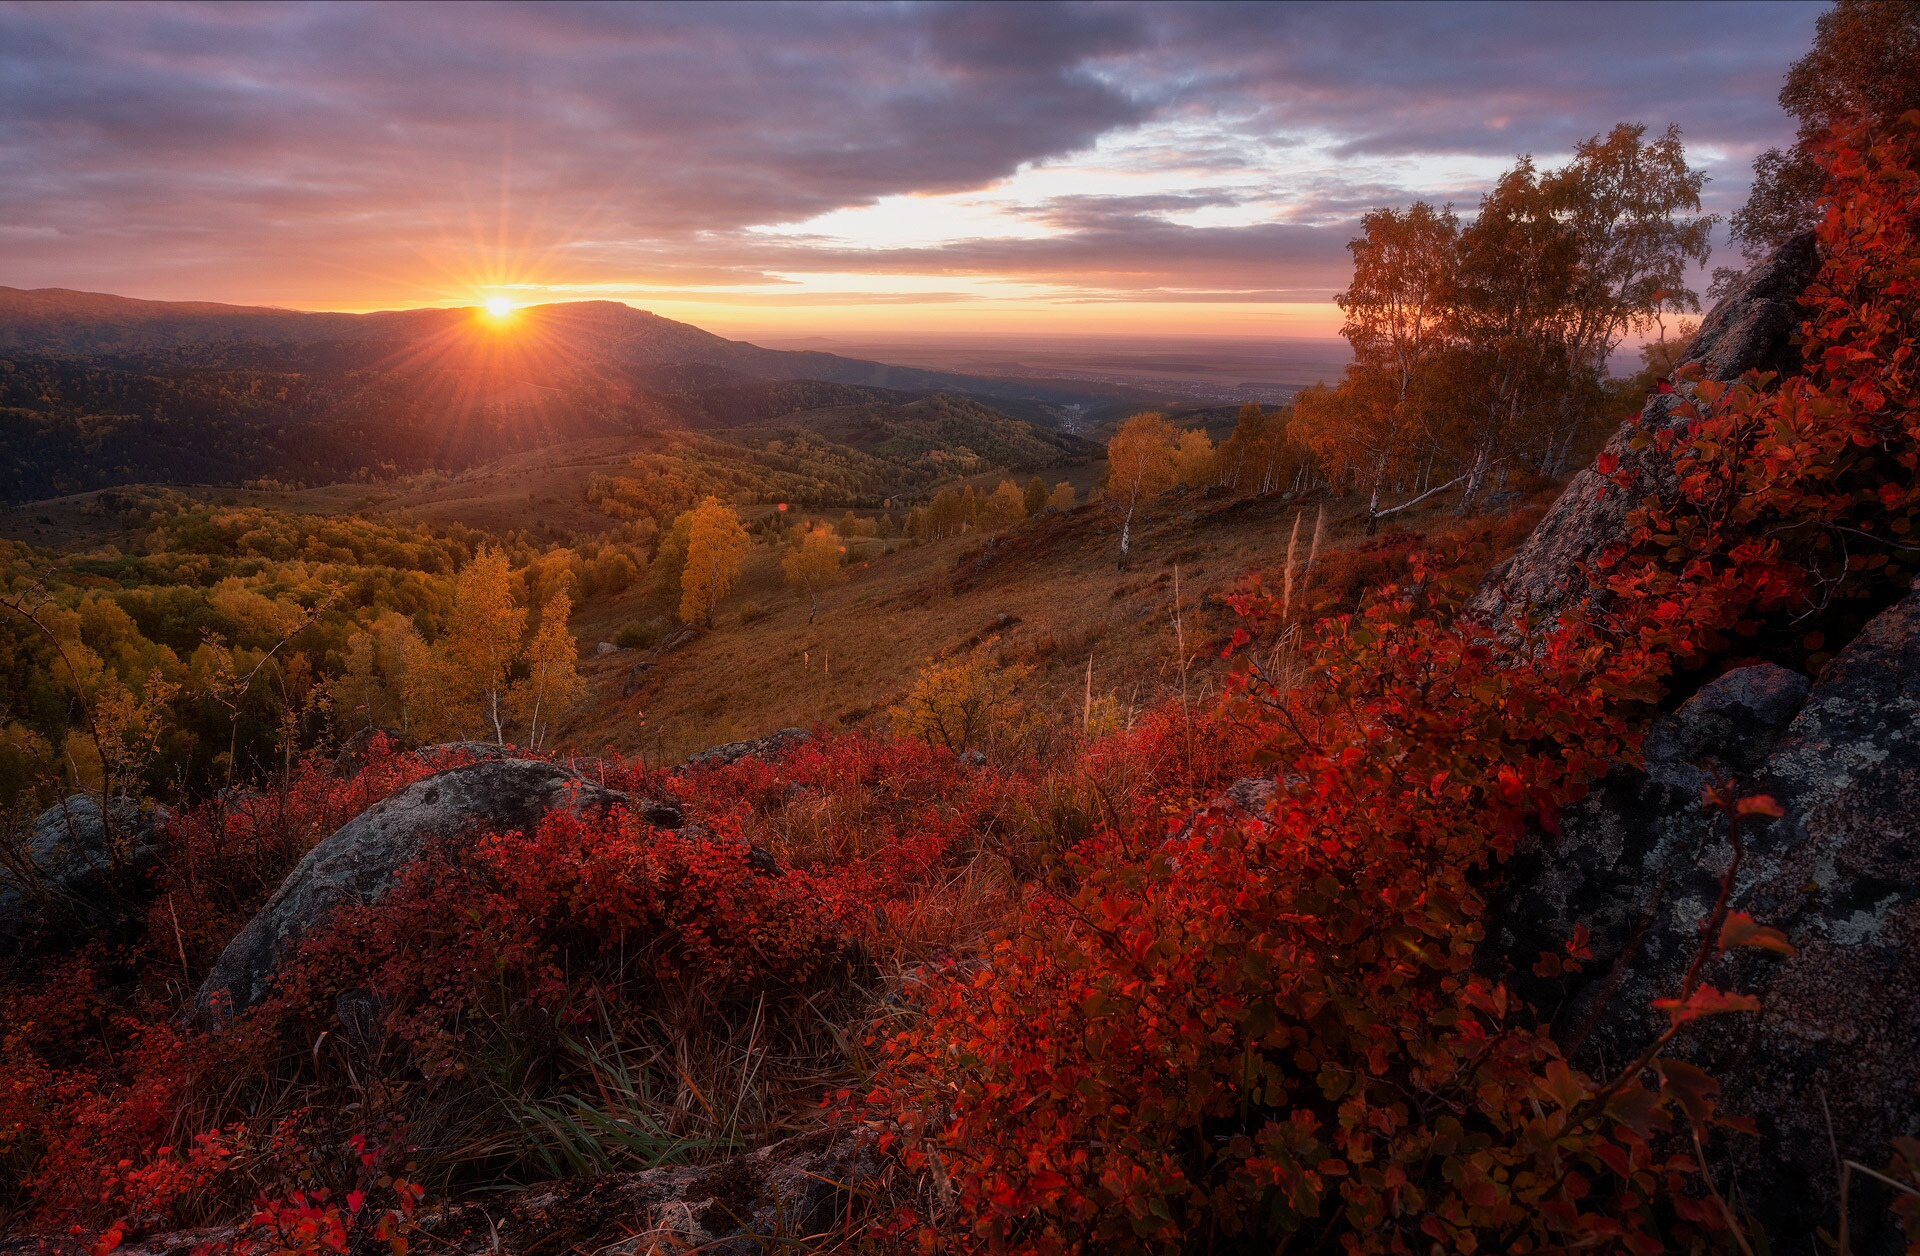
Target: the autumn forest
(514, 771)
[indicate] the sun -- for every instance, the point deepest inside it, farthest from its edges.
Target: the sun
(499, 308)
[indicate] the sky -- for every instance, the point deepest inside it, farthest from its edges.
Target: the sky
(958, 169)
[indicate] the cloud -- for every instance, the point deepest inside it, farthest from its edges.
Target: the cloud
(351, 154)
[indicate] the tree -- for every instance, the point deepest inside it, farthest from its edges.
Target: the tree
(1003, 506)
(1510, 355)
(1194, 463)
(1061, 498)
(1358, 430)
(946, 514)
(1864, 64)
(1626, 203)
(964, 702)
(1140, 466)
(1243, 454)
(1035, 497)
(814, 565)
(413, 683)
(482, 641)
(670, 562)
(715, 544)
(553, 682)
(1402, 276)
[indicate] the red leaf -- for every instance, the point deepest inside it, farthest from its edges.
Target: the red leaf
(1561, 1085)
(1740, 930)
(1692, 1088)
(1639, 1110)
(1706, 1001)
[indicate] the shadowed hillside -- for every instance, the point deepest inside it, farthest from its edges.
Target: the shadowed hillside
(97, 391)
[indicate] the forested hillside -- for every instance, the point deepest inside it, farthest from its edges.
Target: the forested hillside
(97, 391)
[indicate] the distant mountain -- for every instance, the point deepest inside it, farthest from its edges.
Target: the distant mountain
(99, 390)
(58, 322)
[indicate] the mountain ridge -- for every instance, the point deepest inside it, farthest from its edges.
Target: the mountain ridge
(69, 323)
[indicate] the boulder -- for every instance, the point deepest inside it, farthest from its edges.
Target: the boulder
(70, 866)
(1640, 862)
(770, 747)
(1248, 798)
(460, 753)
(1750, 329)
(361, 859)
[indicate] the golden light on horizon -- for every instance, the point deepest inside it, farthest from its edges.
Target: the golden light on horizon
(498, 308)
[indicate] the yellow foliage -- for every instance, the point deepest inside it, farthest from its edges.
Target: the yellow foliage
(481, 642)
(1141, 459)
(715, 544)
(253, 614)
(553, 683)
(965, 702)
(1005, 505)
(813, 565)
(1194, 462)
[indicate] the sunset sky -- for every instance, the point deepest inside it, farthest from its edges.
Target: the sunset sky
(839, 168)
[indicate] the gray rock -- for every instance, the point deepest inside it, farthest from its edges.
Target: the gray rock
(1731, 721)
(974, 757)
(1749, 330)
(770, 747)
(362, 1015)
(461, 753)
(1250, 794)
(1248, 798)
(67, 868)
(675, 639)
(1640, 863)
(605, 648)
(361, 859)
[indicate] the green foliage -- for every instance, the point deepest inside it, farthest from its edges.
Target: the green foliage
(634, 635)
(852, 457)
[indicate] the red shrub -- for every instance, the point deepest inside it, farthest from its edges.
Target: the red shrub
(1274, 1024)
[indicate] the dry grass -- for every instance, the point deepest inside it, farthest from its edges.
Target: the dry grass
(1049, 598)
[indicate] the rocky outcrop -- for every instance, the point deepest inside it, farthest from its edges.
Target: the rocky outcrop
(70, 867)
(1639, 863)
(770, 747)
(450, 754)
(360, 860)
(766, 1201)
(357, 751)
(1750, 329)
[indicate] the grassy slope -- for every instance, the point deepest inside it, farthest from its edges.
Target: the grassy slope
(1055, 574)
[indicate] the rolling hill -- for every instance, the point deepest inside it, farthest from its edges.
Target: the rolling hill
(99, 390)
